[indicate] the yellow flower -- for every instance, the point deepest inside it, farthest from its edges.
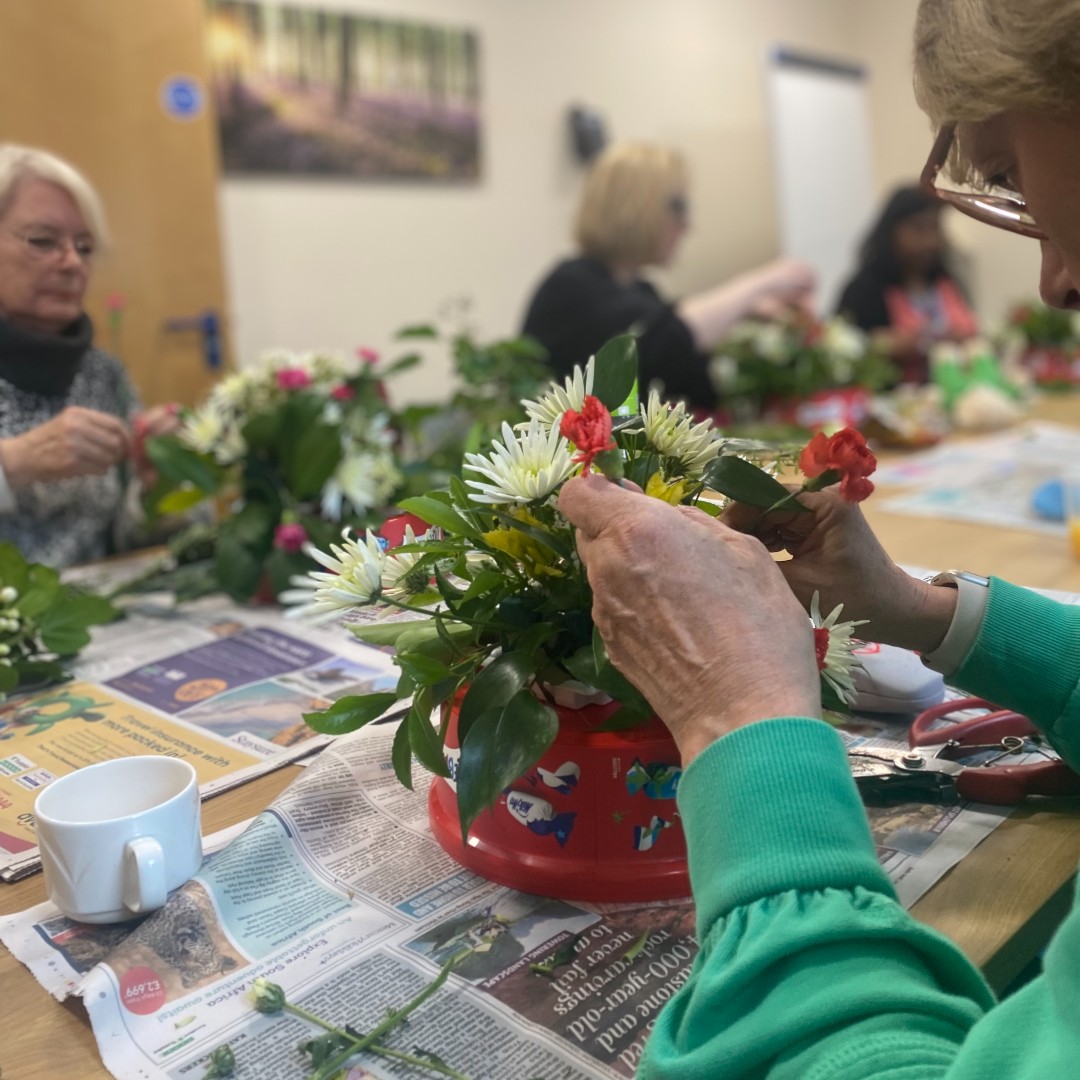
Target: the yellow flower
(536, 558)
(673, 492)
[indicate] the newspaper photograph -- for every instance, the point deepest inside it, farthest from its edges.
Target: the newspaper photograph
(339, 894)
(222, 687)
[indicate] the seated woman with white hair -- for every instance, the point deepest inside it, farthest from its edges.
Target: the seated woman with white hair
(66, 407)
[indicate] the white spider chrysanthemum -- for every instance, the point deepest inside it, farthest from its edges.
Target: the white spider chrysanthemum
(401, 580)
(354, 579)
(833, 646)
(231, 447)
(671, 433)
(548, 411)
(523, 468)
(203, 429)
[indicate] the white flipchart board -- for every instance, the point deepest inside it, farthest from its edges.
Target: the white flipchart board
(822, 162)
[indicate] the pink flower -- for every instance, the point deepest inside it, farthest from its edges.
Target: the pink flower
(844, 457)
(115, 302)
(290, 537)
(344, 392)
(369, 356)
(293, 379)
(589, 430)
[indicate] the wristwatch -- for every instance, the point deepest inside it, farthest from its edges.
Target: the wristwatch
(954, 577)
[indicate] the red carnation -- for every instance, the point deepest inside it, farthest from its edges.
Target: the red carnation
(589, 430)
(844, 457)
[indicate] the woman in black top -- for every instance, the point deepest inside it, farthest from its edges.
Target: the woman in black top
(633, 214)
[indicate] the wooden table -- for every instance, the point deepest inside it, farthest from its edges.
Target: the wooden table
(1000, 904)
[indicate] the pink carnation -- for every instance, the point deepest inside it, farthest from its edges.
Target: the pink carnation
(290, 537)
(369, 356)
(344, 392)
(293, 379)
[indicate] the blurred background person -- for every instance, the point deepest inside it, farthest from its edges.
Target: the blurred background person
(904, 290)
(633, 214)
(67, 409)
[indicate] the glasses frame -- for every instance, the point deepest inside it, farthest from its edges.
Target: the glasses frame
(1001, 211)
(63, 244)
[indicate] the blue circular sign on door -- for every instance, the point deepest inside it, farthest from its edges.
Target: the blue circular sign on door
(182, 97)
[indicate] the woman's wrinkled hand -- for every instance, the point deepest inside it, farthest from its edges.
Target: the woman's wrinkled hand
(76, 442)
(834, 551)
(695, 614)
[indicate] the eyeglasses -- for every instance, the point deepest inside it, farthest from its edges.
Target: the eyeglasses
(999, 206)
(43, 245)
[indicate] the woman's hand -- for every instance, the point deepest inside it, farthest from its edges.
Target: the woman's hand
(77, 442)
(159, 420)
(694, 614)
(834, 551)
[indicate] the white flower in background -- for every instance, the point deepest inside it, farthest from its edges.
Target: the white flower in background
(203, 429)
(833, 647)
(843, 341)
(523, 468)
(946, 352)
(354, 579)
(548, 411)
(671, 433)
(723, 371)
(367, 479)
(231, 447)
(771, 343)
(401, 580)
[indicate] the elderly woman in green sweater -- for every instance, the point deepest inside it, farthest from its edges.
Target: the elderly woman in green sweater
(809, 969)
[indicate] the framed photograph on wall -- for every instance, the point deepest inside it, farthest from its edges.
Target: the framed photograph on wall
(300, 90)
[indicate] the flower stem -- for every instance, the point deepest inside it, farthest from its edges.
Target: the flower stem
(420, 1063)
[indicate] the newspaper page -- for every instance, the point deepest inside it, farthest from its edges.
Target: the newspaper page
(339, 893)
(221, 686)
(988, 480)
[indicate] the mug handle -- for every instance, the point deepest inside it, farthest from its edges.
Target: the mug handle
(144, 875)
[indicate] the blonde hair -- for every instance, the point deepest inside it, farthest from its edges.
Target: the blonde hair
(626, 202)
(975, 59)
(19, 162)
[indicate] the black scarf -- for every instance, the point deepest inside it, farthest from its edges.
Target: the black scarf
(44, 363)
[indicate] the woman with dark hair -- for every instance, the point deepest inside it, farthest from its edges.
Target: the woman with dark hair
(903, 288)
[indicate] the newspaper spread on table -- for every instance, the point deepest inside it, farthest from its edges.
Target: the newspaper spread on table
(340, 894)
(988, 480)
(219, 685)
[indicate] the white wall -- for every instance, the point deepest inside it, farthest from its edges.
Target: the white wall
(315, 263)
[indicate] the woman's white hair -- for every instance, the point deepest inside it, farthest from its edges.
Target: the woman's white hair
(19, 162)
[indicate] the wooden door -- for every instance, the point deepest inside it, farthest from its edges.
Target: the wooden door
(87, 79)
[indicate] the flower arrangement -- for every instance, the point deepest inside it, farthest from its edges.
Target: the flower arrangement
(1045, 341)
(503, 601)
(795, 358)
(42, 621)
(291, 449)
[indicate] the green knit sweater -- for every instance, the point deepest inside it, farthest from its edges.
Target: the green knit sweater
(809, 969)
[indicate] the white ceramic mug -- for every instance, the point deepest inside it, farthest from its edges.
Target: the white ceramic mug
(117, 837)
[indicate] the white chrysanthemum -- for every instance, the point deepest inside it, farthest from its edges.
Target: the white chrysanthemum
(671, 433)
(523, 468)
(843, 341)
(203, 429)
(548, 411)
(771, 343)
(354, 579)
(833, 646)
(231, 447)
(401, 580)
(723, 371)
(367, 480)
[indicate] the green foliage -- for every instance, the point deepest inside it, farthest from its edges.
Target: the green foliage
(41, 621)
(1045, 327)
(746, 483)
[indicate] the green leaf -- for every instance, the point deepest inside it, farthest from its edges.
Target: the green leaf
(180, 500)
(423, 670)
(401, 755)
(40, 590)
(14, 569)
(349, 713)
(402, 363)
(424, 737)
(493, 687)
(483, 581)
(616, 368)
(63, 626)
(562, 548)
(435, 512)
(420, 330)
(502, 744)
(261, 432)
(387, 633)
(179, 463)
(9, 679)
(746, 483)
(312, 462)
